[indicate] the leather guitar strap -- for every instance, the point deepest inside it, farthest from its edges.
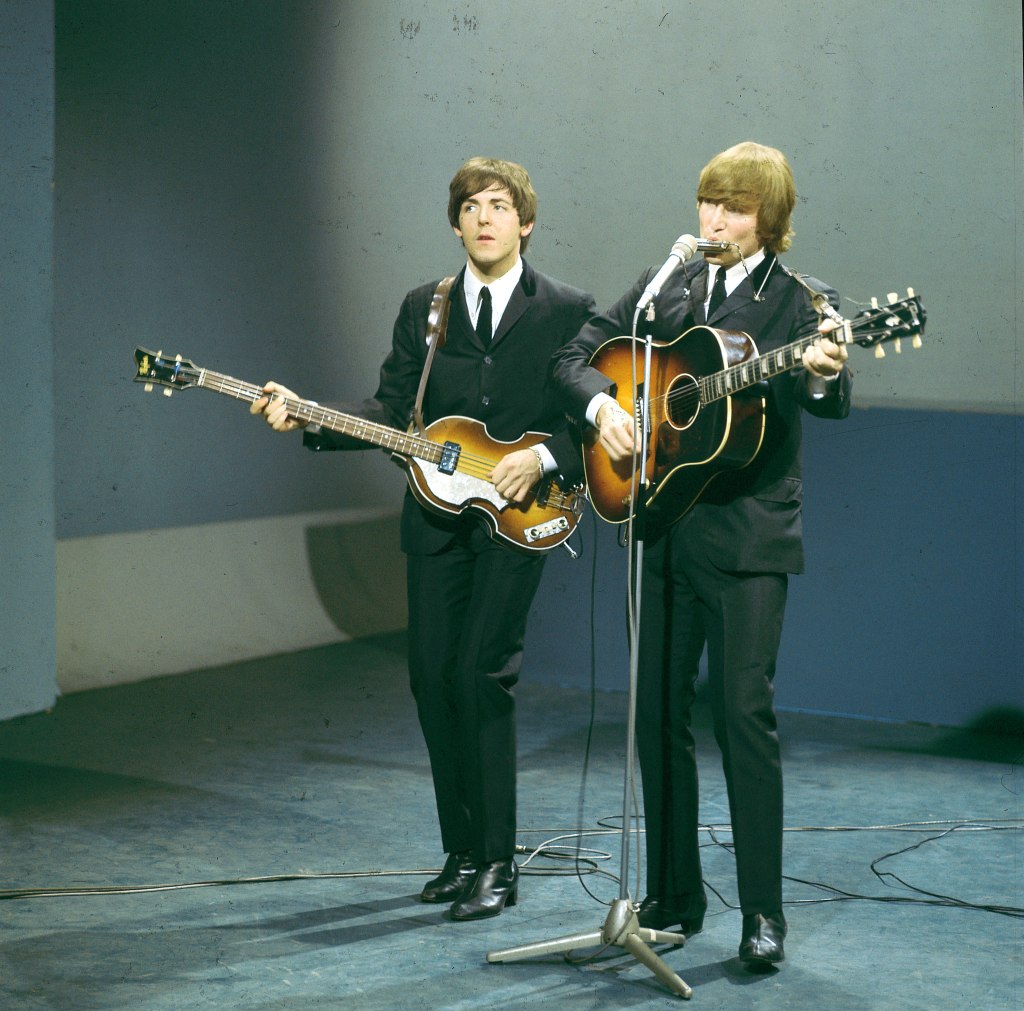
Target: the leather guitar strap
(819, 300)
(437, 327)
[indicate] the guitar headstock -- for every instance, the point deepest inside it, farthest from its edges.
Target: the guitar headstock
(892, 322)
(154, 368)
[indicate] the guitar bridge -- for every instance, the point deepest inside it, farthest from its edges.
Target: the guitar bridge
(542, 530)
(449, 458)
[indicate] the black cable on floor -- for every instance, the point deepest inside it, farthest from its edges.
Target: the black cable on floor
(930, 898)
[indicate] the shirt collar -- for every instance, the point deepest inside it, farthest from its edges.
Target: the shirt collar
(501, 289)
(739, 270)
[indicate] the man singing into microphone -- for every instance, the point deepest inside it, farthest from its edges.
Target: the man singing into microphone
(716, 576)
(469, 595)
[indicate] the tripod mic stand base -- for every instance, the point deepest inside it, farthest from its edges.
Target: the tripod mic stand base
(621, 928)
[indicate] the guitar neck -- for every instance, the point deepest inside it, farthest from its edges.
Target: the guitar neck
(756, 370)
(870, 328)
(347, 424)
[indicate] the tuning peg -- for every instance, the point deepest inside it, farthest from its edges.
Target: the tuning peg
(148, 387)
(916, 342)
(879, 351)
(892, 297)
(168, 391)
(874, 302)
(897, 346)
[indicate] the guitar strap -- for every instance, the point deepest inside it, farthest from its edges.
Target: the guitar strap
(819, 300)
(437, 327)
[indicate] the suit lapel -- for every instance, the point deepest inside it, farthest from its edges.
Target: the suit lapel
(744, 293)
(517, 305)
(458, 313)
(737, 300)
(699, 293)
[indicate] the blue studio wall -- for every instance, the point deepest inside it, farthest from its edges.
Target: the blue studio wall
(910, 606)
(257, 185)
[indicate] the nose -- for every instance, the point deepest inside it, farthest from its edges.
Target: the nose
(715, 215)
(484, 215)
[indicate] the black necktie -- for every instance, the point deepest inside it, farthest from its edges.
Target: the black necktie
(483, 321)
(717, 292)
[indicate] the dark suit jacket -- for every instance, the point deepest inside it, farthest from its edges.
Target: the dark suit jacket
(749, 518)
(506, 385)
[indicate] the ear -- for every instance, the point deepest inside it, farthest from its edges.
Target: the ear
(526, 229)
(457, 231)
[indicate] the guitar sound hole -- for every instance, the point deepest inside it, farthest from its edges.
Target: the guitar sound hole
(682, 401)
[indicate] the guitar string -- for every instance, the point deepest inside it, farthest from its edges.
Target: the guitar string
(480, 467)
(690, 397)
(470, 464)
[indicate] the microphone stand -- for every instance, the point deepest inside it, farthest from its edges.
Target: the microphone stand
(621, 927)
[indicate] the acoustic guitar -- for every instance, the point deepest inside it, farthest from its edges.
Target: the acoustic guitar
(701, 422)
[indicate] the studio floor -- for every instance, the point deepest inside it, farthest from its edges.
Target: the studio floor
(285, 807)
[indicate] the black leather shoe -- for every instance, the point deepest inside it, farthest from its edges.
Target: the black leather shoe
(495, 886)
(683, 911)
(761, 944)
(459, 870)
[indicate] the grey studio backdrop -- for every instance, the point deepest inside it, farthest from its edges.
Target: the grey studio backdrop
(255, 186)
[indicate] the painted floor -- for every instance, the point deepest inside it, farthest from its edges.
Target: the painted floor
(255, 836)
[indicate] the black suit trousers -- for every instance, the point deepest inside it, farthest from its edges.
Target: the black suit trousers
(468, 606)
(687, 603)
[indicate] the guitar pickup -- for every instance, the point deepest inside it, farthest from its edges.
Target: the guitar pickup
(449, 458)
(542, 530)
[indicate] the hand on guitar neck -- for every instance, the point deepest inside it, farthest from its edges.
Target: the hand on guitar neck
(275, 410)
(825, 359)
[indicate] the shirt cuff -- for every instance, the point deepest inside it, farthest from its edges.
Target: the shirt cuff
(817, 386)
(596, 404)
(547, 461)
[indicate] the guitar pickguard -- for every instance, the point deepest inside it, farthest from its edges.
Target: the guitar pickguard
(453, 492)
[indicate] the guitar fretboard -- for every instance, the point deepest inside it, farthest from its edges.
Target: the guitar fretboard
(754, 370)
(312, 413)
(369, 431)
(871, 327)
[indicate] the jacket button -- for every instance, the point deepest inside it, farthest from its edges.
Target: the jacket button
(485, 401)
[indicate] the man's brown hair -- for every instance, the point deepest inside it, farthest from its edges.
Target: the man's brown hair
(479, 174)
(754, 178)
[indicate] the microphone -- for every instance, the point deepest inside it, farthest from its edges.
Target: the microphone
(682, 249)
